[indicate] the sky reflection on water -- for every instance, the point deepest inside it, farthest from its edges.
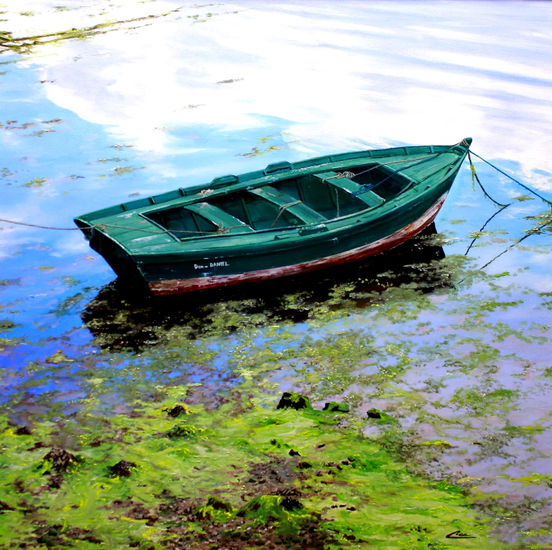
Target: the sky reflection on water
(199, 92)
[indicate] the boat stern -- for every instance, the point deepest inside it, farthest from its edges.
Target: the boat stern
(113, 253)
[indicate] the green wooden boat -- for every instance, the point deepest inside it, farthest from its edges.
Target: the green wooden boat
(287, 219)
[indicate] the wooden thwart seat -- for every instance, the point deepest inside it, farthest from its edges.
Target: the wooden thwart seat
(286, 202)
(223, 220)
(352, 187)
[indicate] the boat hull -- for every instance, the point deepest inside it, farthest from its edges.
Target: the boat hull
(181, 286)
(286, 220)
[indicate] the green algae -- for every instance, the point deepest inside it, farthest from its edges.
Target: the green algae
(483, 401)
(380, 417)
(25, 44)
(73, 301)
(237, 474)
(122, 170)
(255, 151)
(35, 182)
(57, 357)
(7, 324)
(327, 364)
(335, 406)
(535, 479)
(335, 296)
(6, 343)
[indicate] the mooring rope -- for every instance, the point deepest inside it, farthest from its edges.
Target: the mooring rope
(512, 178)
(496, 213)
(532, 231)
(475, 178)
(282, 209)
(220, 230)
(40, 226)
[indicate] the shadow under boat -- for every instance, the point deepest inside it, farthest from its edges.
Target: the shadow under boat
(120, 317)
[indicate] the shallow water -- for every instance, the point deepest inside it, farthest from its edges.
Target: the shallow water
(458, 354)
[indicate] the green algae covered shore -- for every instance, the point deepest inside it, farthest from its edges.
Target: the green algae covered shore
(254, 473)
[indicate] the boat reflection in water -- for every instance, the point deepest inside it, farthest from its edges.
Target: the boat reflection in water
(120, 317)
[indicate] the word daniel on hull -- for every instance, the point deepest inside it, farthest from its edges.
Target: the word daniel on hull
(288, 219)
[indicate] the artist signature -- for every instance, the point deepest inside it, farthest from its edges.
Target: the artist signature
(459, 535)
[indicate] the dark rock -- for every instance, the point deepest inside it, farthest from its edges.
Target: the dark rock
(219, 504)
(288, 492)
(49, 535)
(303, 465)
(334, 406)
(290, 503)
(135, 510)
(182, 430)
(37, 445)
(181, 508)
(293, 452)
(373, 413)
(293, 401)
(177, 411)
(60, 459)
(86, 535)
(23, 430)
(123, 468)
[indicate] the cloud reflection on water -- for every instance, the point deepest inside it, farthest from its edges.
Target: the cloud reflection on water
(341, 75)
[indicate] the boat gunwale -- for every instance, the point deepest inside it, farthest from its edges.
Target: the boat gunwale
(411, 186)
(263, 178)
(236, 188)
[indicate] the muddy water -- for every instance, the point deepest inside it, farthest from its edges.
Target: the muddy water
(141, 98)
